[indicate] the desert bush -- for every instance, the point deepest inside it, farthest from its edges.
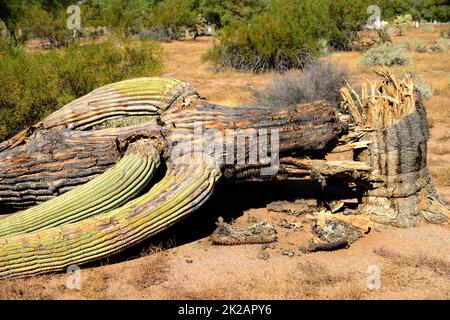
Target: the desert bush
(429, 9)
(279, 39)
(445, 32)
(168, 18)
(428, 29)
(287, 34)
(412, 45)
(125, 17)
(37, 22)
(401, 23)
(441, 45)
(347, 20)
(36, 84)
(172, 13)
(158, 34)
(424, 90)
(387, 55)
(222, 13)
(319, 80)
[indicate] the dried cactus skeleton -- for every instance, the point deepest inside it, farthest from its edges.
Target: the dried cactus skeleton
(80, 182)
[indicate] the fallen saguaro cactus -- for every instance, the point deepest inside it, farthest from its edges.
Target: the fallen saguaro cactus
(78, 185)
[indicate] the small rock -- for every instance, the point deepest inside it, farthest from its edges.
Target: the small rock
(287, 252)
(189, 260)
(263, 255)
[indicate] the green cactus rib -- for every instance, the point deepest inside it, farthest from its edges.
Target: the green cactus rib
(135, 97)
(180, 192)
(108, 191)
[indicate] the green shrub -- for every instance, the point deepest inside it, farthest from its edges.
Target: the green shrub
(401, 23)
(125, 17)
(37, 22)
(423, 9)
(172, 14)
(167, 19)
(36, 84)
(281, 38)
(222, 13)
(348, 19)
(288, 33)
(386, 55)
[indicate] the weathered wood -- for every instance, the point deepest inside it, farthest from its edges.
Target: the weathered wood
(396, 150)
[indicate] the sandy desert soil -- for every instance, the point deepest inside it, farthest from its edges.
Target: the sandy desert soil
(181, 263)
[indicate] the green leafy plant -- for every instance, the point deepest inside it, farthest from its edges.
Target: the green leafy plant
(34, 84)
(281, 38)
(401, 23)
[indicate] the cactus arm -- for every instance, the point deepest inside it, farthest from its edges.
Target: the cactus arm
(140, 97)
(134, 97)
(108, 191)
(180, 192)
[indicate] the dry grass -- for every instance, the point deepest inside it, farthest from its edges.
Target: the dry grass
(442, 149)
(439, 81)
(437, 109)
(309, 281)
(319, 80)
(441, 175)
(95, 285)
(418, 260)
(421, 273)
(222, 291)
(153, 268)
(444, 138)
(24, 289)
(183, 60)
(316, 281)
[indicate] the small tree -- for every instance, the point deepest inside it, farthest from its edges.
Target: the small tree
(125, 17)
(401, 23)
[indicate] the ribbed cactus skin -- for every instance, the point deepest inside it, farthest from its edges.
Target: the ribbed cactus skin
(134, 97)
(182, 191)
(108, 191)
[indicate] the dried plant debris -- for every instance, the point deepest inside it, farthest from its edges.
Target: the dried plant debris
(333, 234)
(263, 255)
(258, 233)
(335, 206)
(290, 224)
(435, 211)
(296, 208)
